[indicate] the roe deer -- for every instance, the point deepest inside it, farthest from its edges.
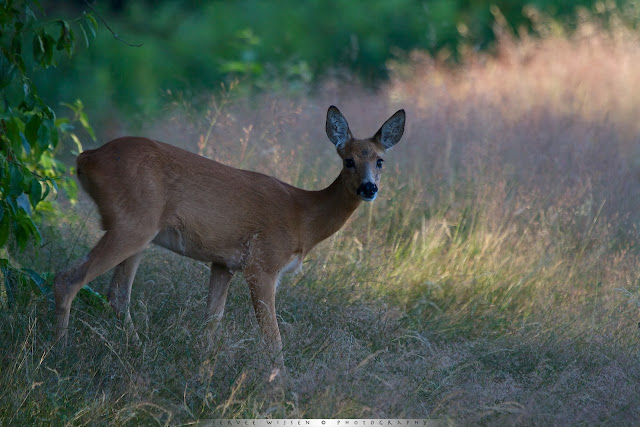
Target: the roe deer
(151, 192)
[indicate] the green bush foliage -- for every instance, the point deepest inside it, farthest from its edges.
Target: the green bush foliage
(30, 131)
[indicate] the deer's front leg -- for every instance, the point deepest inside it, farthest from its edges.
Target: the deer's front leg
(262, 286)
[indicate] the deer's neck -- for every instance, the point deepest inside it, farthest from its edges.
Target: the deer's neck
(328, 211)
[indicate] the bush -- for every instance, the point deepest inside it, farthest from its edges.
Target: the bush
(30, 131)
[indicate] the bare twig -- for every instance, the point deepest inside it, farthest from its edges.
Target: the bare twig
(115, 35)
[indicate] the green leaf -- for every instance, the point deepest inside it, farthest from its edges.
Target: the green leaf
(16, 179)
(64, 124)
(38, 281)
(47, 190)
(13, 133)
(43, 136)
(33, 229)
(54, 136)
(32, 128)
(78, 108)
(38, 46)
(66, 39)
(29, 14)
(43, 45)
(30, 97)
(23, 203)
(48, 112)
(4, 230)
(7, 72)
(21, 235)
(92, 24)
(25, 144)
(34, 276)
(16, 41)
(84, 33)
(93, 298)
(11, 201)
(48, 43)
(25, 229)
(85, 123)
(62, 40)
(72, 42)
(35, 192)
(78, 143)
(20, 64)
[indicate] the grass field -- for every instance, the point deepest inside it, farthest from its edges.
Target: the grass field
(496, 279)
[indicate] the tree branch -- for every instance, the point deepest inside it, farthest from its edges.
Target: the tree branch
(115, 35)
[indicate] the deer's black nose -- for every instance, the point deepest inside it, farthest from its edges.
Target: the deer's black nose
(367, 190)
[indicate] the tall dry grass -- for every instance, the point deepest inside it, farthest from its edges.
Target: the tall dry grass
(495, 280)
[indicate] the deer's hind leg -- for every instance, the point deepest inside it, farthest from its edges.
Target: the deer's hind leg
(114, 247)
(217, 298)
(119, 295)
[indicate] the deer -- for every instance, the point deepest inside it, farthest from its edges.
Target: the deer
(147, 191)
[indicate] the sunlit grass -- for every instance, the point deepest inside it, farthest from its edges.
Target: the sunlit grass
(495, 280)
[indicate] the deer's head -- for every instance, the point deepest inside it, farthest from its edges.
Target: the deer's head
(363, 158)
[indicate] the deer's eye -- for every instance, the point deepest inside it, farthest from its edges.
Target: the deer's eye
(349, 163)
(379, 163)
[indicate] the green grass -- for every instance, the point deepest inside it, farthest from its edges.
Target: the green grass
(496, 280)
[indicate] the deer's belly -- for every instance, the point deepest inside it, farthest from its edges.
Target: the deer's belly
(230, 254)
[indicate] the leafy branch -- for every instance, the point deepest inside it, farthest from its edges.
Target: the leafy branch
(30, 132)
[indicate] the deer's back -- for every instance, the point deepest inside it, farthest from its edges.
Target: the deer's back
(199, 205)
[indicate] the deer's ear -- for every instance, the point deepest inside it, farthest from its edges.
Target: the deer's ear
(392, 130)
(337, 127)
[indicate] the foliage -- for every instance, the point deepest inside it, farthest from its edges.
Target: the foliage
(188, 47)
(30, 134)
